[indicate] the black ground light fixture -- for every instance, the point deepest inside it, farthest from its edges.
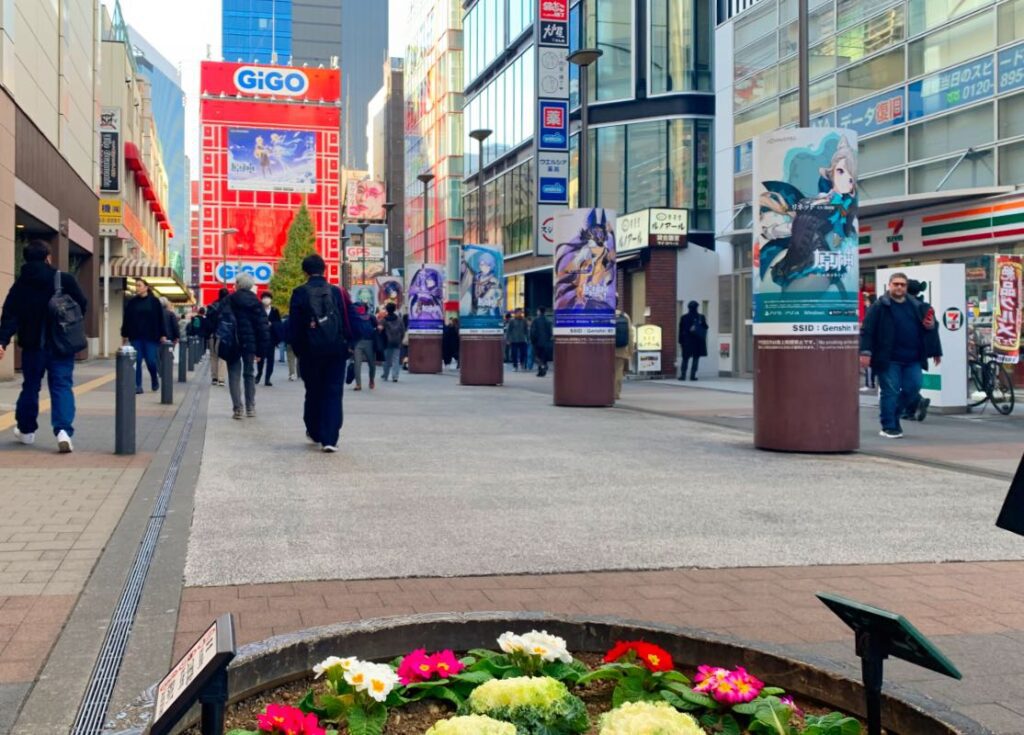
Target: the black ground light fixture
(1011, 517)
(880, 634)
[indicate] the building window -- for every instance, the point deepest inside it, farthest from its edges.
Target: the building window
(952, 45)
(881, 152)
(1011, 164)
(753, 25)
(870, 76)
(1011, 117)
(755, 57)
(925, 14)
(821, 97)
(880, 187)
(977, 170)
(613, 75)
(849, 12)
(755, 121)
(871, 36)
(610, 175)
(950, 133)
(646, 173)
(755, 88)
(1011, 21)
(680, 48)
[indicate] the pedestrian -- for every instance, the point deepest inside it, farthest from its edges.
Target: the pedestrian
(504, 329)
(288, 351)
(932, 348)
(450, 343)
(197, 324)
(393, 329)
(251, 344)
(212, 322)
(895, 343)
(26, 314)
(364, 324)
(144, 326)
(405, 342)
(870, 380)
(172, 328)
(319, 331)
(518, 335)
(273, 317)
(624, 348)
(542, 337)
(693, 339)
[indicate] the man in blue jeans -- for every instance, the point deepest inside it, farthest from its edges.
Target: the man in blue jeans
(896, 340)
(145, 327)
(25, 313)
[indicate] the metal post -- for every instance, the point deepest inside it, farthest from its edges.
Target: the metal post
(583, 59)
(425, 179)
(480, 211)
(362, 228)
(124, 401)
(192, 359)
(872, 658)
(803, 64)
(183, 353)
(167, 373)
(214, 700)
(106, 297)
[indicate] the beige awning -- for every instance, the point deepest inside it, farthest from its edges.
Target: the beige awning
(161, 278)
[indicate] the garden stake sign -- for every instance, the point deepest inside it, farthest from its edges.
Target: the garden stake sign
(200, 675)
(880, 634)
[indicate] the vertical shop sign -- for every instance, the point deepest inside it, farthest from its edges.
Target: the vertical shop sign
(110, 149)
(551, 41)
(1007, 314)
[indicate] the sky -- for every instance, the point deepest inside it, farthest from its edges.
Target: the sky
(185, 31)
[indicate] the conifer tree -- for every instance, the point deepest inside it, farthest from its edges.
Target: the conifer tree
(288, 274)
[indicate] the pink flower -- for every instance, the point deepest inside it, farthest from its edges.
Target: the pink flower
(445, 664)
(280, 718)
(416, 667)
(728, 687)
(788, 701)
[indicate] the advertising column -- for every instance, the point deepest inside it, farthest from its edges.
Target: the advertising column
(585, 301)
(426, 318)
(551, 143)
(805, 281)
(481, 305)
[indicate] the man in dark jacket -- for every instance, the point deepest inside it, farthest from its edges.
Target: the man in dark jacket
(273, 317)
(893, 343)
(543, 340)
(393, 329)
(364, 324)
(253, 341)
(517, 332)
(145, 327)
(210, 325)
(932, 348)
(25, 313)
(693, 339)
(321, 361)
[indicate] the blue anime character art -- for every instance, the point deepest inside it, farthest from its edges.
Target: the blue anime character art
(426, 310)
(481, 288)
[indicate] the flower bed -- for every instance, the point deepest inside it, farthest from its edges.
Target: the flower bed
(656, 670)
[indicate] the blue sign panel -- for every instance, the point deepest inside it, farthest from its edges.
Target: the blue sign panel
(552, 191)
(554, 33)
(1011, 68)
(952, 88)
(554, 125)
(876, 113)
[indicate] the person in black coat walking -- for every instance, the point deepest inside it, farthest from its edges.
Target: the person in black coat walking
(273, 317)
(210, 327)
(693, 339)
(144, 326)
(542, 337)
(253, 339)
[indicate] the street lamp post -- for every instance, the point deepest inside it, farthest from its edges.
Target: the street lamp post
(425, 179)
(344, 247)
(803, 64)
(480, 136)
(224, 251)
(362, 230)
(583, 59)
(388, 206)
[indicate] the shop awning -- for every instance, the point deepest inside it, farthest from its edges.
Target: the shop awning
(886, 206)
(161, 278)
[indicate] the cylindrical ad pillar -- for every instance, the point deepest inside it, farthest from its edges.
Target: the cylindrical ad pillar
(481, 305)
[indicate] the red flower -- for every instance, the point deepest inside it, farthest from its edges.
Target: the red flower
(280, 718)
(651, 656)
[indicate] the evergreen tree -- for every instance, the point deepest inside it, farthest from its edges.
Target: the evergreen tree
(288, 274)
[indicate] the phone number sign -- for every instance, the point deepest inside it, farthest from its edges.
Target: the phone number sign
(959, 86)
(1011, 68)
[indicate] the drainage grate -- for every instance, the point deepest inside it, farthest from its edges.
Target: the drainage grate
(93, 710)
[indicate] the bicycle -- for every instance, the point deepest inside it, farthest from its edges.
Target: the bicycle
(989, 380)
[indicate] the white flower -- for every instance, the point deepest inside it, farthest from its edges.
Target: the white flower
(356, 675)
(509, 642)
(329, 663)
(548, 647)
(380, 680)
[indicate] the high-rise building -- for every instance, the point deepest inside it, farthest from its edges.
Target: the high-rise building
(316, 32)
(364, 47)
(169, 115)
(256, 31)
(385, 135)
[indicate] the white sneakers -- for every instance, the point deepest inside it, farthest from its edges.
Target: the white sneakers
(64, 445)
(29, 438)
(330, 449)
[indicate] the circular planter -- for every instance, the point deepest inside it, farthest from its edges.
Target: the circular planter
(286, 658)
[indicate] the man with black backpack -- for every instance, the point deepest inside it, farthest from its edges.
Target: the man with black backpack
(320, 333)
(41, 309)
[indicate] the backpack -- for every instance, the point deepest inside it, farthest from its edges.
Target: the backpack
(621, 331)
(393, 331)
(196, 324)
(67, 325)
(325, 334)
(227, 331)
(363, 326)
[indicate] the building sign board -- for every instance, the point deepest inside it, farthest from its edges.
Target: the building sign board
(1011, 68)
(554, 33)
(648, 338)
(110, 149)
(553, 178)
(880, 112)
(553, 127)
(111, 212)
(653, 228)
(554, 10)
(952, 88)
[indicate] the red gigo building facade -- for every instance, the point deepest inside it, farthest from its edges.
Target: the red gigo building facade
(269, 142)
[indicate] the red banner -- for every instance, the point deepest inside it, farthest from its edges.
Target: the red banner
(1007, 313)
(290, 83)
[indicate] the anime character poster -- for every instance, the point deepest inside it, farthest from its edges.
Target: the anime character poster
(391, 290)
(481, 289)
(585, 296)
(261, 159)
(426, 299)
(806, 258)
(365, 294)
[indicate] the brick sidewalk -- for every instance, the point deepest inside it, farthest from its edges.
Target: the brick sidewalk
(774, 605)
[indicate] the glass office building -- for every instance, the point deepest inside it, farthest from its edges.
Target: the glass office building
(257, 31)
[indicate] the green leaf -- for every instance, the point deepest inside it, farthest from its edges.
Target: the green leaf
(699, 698)
(308, 704)
(673, 676)
(243, 732)
(367, 720)
(449, 695)
(772, 692)
(629, 689)
(482, 653)
(471, 677)
(730, 726)
(606, 674)
(678, 702)
(748, 708)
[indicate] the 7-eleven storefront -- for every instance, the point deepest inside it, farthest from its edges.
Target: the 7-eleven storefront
(968, 227)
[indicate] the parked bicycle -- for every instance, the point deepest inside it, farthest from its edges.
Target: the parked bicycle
(989, 380)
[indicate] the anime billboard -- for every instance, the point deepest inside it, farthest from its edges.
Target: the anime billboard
(481, 289)
(261, 159)
(390, 289)
(426, 299)
(806, 269)
(585, 296)
(365, 295)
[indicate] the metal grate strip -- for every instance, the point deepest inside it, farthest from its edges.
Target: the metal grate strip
(93, 709)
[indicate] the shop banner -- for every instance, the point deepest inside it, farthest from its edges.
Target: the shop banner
(110, 149)
(481, 289)
(585, 296)
(426, 299)
(261, 159)
(805, 256)
(391, 290)
(1007, 313)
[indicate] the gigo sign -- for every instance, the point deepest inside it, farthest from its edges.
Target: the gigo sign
(260, 80)
(260, 272)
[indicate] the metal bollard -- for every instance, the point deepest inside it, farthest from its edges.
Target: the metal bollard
(192, 360)
(167, 373)
(182, 362)
(124, 401)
